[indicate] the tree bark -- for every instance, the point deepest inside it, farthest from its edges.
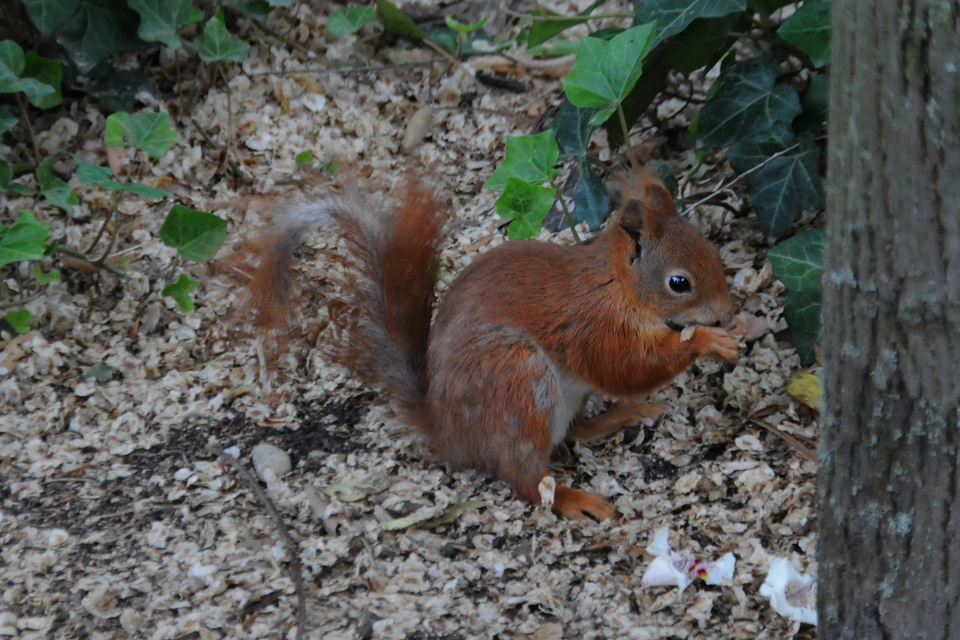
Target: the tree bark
(889, 482)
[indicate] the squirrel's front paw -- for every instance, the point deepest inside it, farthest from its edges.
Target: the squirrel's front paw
(716, 342)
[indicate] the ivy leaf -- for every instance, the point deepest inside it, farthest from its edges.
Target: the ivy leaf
(102, 177)
(746, 104)
(350, 19)
(97, 30)
(161, 19)
(525, 205)
(673, 16)
(216, 43)
(54, 189)
(24, 240)
(591, 200)
(783, 187)
(45, 278)
(809, 29)
(19, 320)
(604, 72)
(702, 44)
(14, 76)
(258, 10)
(7, 120)
(49, 15)
(149, 132)
(547, 25)
(196, 235)
(816, 104)
(527, 158)
(798, 264)
(572, 129)
(665, 173)
(180, 292)
(194, 15)
(395, 21)
(47, 72)
(117, 91)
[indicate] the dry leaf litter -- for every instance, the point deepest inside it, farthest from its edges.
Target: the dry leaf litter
(116, 520)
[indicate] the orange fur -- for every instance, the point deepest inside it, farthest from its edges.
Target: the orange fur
(525, 332)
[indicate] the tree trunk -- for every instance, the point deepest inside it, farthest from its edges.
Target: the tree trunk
(889, 483)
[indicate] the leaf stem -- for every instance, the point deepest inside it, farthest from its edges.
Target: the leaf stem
(26, 118)
(566, 213)
(20, 302)
(744, 175)
(116, 230)
(626, 140)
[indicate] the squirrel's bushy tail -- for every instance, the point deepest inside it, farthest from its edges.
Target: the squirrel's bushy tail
(392, 266)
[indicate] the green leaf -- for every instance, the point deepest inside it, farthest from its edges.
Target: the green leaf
(527, 158)
(591, 200)
(809, 29)
(462, 28)
(700, 45)
(14, 76)
(7, 120)
(102, 177)
(49, 15)
(350, 19)
(526, 205)
(24, 240)
(395, 21)
(746, 104)
(648, 87)
(604, 72)
(48, 73)
(258, 10)
(19, 320)
(572, 129)
(216, 43)
(180, 292)
(117, 91)
(194, 15)
(547, 25)
(798, 263)
(196, 235)
(54, 189)
(304, 157)
(97, 30)
(149, 132)
(816, 104)
(101, 371)
(673, 16)
(333, 168)
(161, 19)
(6, 174)
(280, 3)
(45, 278)
(783, 187)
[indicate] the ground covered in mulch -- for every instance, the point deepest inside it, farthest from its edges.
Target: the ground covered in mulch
(117, 519)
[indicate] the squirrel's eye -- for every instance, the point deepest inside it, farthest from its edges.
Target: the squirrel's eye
(679, 284)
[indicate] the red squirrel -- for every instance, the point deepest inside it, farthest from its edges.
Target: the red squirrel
(526, 332)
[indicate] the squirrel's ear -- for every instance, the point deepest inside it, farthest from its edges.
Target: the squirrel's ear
(637, 219)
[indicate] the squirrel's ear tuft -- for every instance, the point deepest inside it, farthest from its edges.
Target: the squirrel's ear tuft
(636, 219)
(645, 198)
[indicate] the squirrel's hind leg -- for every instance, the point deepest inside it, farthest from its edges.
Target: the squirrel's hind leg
(626, 412)
(493, 404)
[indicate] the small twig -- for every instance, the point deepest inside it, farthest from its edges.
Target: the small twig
(26, 118)
(745, 174)
(113, 236)
(348, 70)
(226, 82)
(83, 256)
(443, 52)
(133, 248)
(293, 43)
(106, 221)
(292, 551)
(20, 302)
(786, 437)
